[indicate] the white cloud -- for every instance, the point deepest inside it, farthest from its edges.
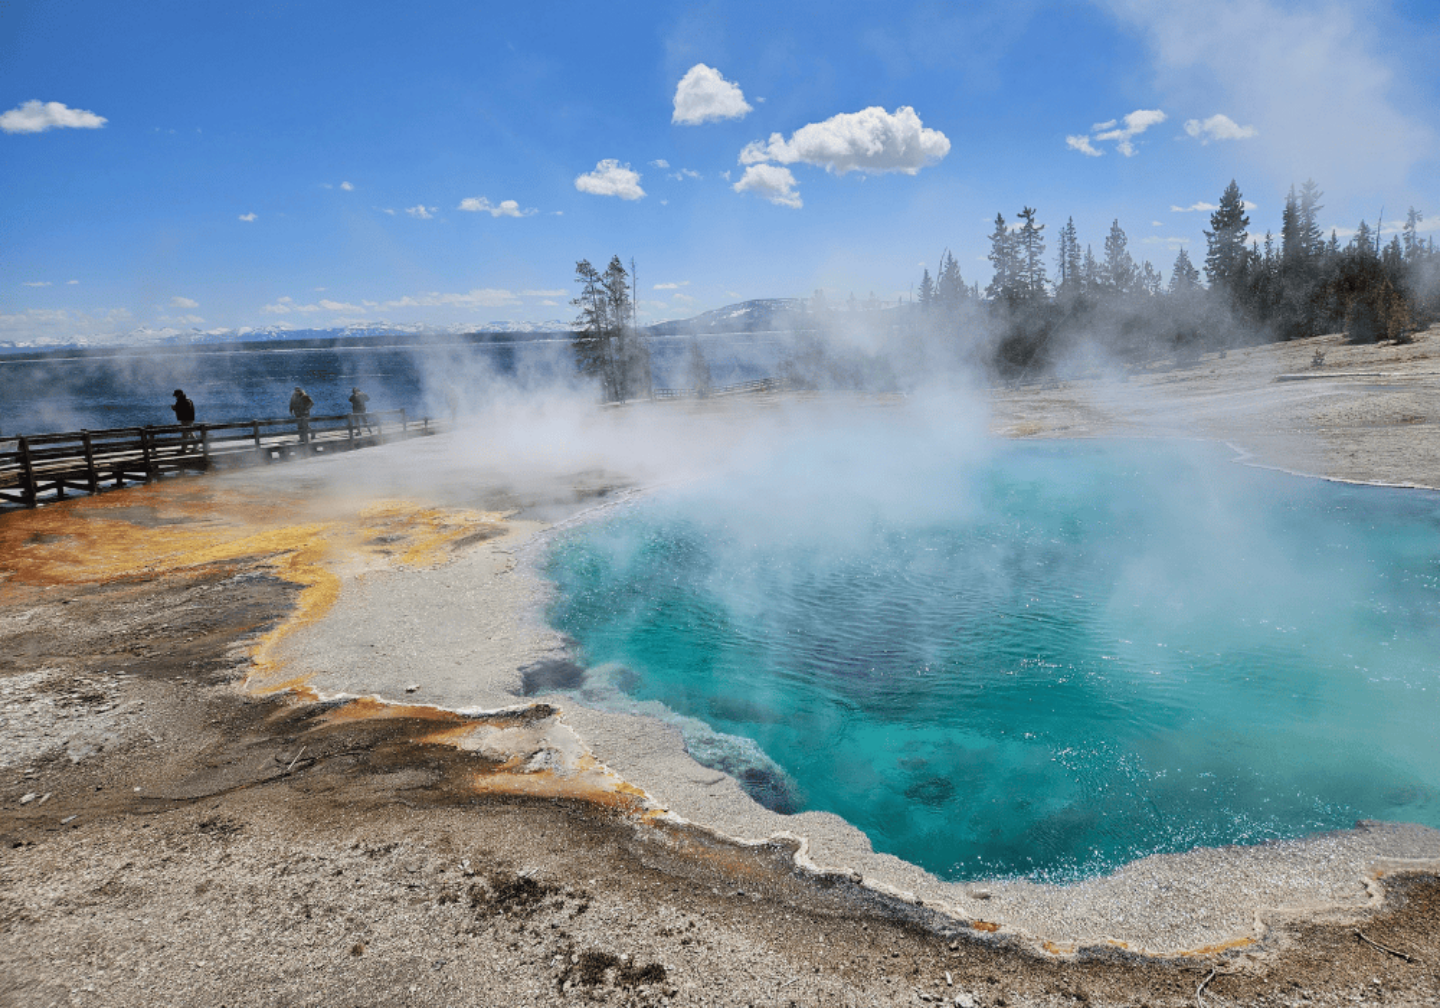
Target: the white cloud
(37, 117)
(684, 299)
(341, 306)
(1203, 207)
(552, 304)
(685, 173)
(1218, 127)
(1136, 122)
(420, 212)
(660, 163)
(72, 281)
(543, 293)
(671, 286)
(1172, 243)
(183, 302)
(505, 208)
(773, 183)
(247, 216)
(347, 187)
(37, 283)
(1325, 86)
(704, 96)
(611, 178)
(387, 210)
(479, 298)
(872, 141)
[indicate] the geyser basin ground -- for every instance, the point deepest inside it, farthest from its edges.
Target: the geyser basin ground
(1041, 660)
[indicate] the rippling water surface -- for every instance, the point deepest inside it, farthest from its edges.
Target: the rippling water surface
(1046, 660)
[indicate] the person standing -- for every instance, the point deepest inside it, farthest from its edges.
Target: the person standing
(185, 417)
(358, 412)
(300, 406)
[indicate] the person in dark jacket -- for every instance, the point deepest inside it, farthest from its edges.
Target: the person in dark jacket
(185, 417)
(359, 414)
(300, 405)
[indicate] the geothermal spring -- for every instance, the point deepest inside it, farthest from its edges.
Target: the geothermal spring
(1026, 660)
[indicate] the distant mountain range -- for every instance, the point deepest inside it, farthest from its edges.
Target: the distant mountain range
(760, 315)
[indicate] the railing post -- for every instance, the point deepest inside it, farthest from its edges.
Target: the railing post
(92, 478)
(29, 490)
(147, 451)
(205, 444)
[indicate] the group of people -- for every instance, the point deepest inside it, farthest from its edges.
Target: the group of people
(300, 406)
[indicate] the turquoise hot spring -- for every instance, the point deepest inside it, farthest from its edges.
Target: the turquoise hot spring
(1029, 659)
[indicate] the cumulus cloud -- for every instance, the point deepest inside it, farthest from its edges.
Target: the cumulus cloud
(871, 140)
(183, 302)
(248, 216)
(505, 208)
(421, 212)
(1218, 127)
(37, 117)
(685, 173)
(543, 293)
(1324, 85)
(1135, 123)
(660, 163)
(704, 96)
(611, 178)
(774, 183)
(347, 187)
(671, 286)
(286, 305)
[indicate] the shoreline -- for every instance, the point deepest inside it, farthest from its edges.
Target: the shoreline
(613, 757)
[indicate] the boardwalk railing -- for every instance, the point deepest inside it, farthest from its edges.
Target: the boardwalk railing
(744, 388)
(44, 467)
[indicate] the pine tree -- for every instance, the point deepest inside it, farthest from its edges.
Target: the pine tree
(927, 292)
(950, 289)
(1089, 273)
(1294, 244)
(1067, 261)
(1117, 271)
(1184, 277)
(589, 339)
(1030, 257)
(1413, 245)
(1150, 281)
(1227, 257)
(1004, 285)
(1310, 207)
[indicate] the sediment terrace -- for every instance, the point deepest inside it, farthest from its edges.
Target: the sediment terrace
(538, 853)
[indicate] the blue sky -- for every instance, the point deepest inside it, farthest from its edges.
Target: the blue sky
(310, 164)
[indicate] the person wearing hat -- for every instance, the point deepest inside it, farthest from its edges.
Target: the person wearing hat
(300, 405)
(185, 417)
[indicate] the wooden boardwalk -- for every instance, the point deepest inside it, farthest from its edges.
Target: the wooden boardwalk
(42, 468)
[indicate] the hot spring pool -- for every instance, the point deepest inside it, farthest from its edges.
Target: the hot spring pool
(1040, 660)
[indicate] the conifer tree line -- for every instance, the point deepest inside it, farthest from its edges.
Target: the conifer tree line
(606, 341)
(1298, 284)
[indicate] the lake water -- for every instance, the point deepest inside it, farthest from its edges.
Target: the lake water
(1038, 660)
(135, 388)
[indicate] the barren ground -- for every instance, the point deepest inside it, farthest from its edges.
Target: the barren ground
(167, 837)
